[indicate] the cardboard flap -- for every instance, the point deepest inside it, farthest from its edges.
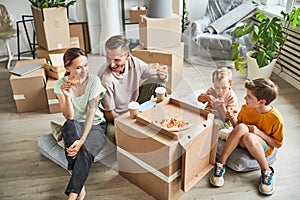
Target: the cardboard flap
(199, 157)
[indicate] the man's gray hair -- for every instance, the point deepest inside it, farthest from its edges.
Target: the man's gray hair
(116, 42)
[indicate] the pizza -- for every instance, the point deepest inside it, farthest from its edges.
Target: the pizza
(154, 65)
(172, 124)
(75, 80)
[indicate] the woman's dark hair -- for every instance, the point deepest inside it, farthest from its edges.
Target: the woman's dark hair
(72, 54)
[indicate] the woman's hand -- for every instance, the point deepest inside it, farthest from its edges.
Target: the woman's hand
(74, 148)
(66, 88)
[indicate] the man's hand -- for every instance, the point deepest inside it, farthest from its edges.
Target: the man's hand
(162, 72)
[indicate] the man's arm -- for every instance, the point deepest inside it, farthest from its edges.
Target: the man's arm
(110, 115)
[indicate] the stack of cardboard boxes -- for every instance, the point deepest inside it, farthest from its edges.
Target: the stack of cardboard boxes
(35, 91)
(160, 42)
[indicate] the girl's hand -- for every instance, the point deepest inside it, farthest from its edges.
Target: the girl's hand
(230, 113)
(74, 148)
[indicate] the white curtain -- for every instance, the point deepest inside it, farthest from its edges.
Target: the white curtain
(110, 21)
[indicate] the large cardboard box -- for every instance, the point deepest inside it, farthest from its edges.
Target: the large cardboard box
(44, 53)
(51, 27)
(81, 31)
(164, 166)
(172, 57)
(135, 14)
(29, 90)
(160, 32)
(51, 96)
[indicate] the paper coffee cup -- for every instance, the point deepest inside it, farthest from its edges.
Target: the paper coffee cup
(160, 94)
(134, 8)
(133, 108)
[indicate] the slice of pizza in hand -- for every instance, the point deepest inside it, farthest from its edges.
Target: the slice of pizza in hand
(172, 124)
(75, 80)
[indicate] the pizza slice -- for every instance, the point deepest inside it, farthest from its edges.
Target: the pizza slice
(172, 124)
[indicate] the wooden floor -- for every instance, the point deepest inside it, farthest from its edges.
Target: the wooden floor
(26, 174)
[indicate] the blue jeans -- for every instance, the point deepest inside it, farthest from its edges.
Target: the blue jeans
(81, 165)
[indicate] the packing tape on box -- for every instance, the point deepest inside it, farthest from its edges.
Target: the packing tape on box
(167, 179)
(53, 101)
(19, 96)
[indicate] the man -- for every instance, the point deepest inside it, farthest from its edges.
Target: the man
(122, 78)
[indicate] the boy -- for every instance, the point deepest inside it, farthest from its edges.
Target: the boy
(259, 129)
(221, 99)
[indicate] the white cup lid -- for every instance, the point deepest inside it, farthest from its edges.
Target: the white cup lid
(133, 105)
(160, 90)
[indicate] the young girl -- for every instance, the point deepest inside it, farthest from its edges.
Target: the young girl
(79, 93)
(221, 99)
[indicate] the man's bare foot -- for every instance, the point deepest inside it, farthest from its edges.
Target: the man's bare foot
(82, 194)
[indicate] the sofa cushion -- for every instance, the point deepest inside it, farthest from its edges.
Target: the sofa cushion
(49, 147)
(240, 160)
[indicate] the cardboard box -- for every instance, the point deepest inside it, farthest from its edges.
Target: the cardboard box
(51, 96)
(135, 14)
(56, 70)
(51, 27)
(172, 57)
(169, 166)
(29, 90)
(80, 30)
(160, 32)
(44, 53)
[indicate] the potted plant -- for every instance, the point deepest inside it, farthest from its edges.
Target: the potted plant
(51, 23)
(268, 38)
(51, 3)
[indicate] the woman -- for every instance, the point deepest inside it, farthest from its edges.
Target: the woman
(79, 93)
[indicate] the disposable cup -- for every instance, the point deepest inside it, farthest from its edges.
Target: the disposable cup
(133, 108)
(160, 94)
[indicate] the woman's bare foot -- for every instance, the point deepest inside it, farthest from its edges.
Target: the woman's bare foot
(82, 194)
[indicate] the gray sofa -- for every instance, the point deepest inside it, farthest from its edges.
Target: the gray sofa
(208, 40)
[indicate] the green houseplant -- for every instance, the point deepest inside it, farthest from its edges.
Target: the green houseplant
(51, 3)
(268, 38)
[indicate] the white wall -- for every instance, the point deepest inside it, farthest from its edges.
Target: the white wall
(196, 8)
(17, 8)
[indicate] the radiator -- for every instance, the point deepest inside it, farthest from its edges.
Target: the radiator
(288, 64)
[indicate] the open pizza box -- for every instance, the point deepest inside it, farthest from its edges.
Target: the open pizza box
(198, 140)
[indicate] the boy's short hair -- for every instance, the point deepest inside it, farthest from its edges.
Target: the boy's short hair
(262, 89)
(117, 41)
(222, 73)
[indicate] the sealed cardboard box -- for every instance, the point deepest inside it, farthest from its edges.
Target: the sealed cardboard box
(160, 32)
(80, 30)
(171, 165)
(135, 14)
(44, 53)
(51, 27)
(172, 57)
(29, 90)
(51, 96)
